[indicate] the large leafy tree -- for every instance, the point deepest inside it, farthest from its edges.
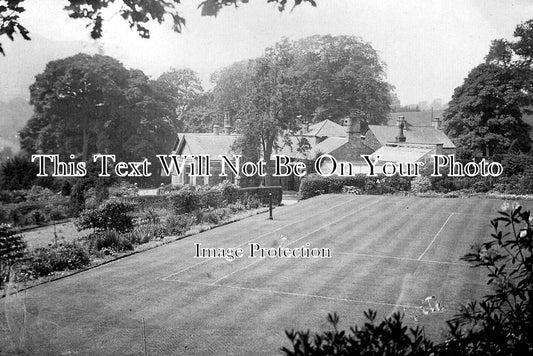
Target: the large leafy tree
(87, 104)
(312, 79)
(485, 113)
(184, 89)
(136, 13)
(341, 76)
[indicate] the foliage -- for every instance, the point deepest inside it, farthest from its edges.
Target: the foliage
(109, 239)
(389, 337)
(87, 104)
(485, 114)
(315, 184)
(185, 200)
(47, 260)
(17, 172)
(137, 14)
(184, 88)
(420, 184)
(501, 323)
(311, 79)
(77, 198)
(31, 213)
(110, 215)
(12, 251)
(179, 224)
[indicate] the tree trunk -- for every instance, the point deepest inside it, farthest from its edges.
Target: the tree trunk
(85, 130)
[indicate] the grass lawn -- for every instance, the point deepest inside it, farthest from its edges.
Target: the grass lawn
(388, 254)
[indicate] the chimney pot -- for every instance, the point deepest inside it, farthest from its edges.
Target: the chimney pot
(353, 129)
(227, 124)
(401, 126)
(436, 123)
(216, 129)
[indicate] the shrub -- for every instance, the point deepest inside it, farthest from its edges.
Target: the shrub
(109, 239)
(480, 187)
(69, 256)
(501, 323)
(147, 232)
(313, 185)
(420, 184)
(110, 215)
(12, 251)
(17, 173)
(262, 194)
(179, 224)
(185, 200)
(251, 202)
(389, 337)
(77, 198)
(236, 207)
(211, 217)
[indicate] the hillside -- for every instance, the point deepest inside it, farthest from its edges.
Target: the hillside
(13, 116)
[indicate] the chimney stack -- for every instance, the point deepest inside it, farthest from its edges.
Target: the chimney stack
(216, 129)
(436, 123)
(401, 126)
(227, 124)
(353, 129)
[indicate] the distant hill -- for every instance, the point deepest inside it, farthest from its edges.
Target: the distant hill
(25, 59)
(13, 116)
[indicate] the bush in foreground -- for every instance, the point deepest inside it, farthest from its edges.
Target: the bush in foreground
(47, 260)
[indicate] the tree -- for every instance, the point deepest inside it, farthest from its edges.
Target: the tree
(311, 79)
(485, 113)
(17, 172)
(500, 53)
(184, 88)
(341, 76)
(136, 13)
(91, 104)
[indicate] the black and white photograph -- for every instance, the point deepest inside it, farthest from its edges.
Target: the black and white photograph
(266, 177)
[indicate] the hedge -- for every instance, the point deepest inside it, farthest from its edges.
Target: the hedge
(262, 193)
(314, 184)
(188, 199)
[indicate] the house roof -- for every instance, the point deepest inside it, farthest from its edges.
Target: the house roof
(329, 145)
(401, 153)
(415, 118)
(326, 128)
(205, 144)
(413, 134)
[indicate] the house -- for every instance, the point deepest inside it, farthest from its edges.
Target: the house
(416, 132)
(214, 144)
(344, 143)
(415, 140)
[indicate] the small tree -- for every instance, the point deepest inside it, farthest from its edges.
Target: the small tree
(110, 215)
(12, 251)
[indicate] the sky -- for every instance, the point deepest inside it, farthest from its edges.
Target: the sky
(428, 46)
